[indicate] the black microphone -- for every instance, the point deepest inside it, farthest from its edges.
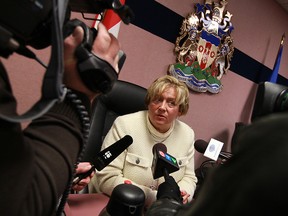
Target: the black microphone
(201, 146)
(163, 163)
(105, 157)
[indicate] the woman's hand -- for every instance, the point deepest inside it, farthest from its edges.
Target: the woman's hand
(185, 196)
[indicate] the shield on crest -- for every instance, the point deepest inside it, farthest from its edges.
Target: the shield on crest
(207, 49)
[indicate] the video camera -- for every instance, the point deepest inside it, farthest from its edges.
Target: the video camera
(30, 22)
(40, 23)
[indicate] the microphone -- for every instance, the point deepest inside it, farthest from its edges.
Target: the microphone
(105, 157)
(201, 146)
(163, 163)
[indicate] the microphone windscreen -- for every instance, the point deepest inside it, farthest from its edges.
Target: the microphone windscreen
(126, 140)
(159, 147)
(200, 145)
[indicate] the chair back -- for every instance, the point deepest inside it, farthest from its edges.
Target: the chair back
(124, 98)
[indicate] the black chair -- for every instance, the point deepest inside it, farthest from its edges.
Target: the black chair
(123, 98)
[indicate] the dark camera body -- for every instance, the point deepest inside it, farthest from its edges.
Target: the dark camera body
(30, 21)
(270, 98)
(26, 22)
(92, 6)
(25, 19)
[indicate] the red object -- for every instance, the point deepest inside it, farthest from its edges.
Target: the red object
(127, 182)
(111, 21)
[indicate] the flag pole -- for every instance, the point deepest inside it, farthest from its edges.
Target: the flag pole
(110, 20)
(276, 67)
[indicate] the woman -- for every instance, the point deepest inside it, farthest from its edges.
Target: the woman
(166, 99)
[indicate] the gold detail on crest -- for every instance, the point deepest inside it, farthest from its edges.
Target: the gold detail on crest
(204, 47)
(189, 34)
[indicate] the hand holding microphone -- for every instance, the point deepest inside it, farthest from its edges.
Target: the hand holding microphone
(87, 168)
(169, 189)
(162, 165)
(105, 157)
(169, 196)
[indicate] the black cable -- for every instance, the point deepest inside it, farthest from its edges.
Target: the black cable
(84, 116)
(204, 166)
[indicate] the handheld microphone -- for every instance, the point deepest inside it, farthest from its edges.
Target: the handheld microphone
(105, 157)
(163, 163)
(201, 146)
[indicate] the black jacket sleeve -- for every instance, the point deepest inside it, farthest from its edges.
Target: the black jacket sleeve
(37, 162)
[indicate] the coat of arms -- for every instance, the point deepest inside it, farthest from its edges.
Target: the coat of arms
(204, 48)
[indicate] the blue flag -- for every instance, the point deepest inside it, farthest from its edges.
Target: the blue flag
(276, 67)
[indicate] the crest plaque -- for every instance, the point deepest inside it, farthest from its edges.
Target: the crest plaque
(204, 47)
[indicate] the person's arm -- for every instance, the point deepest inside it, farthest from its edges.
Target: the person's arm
(105, 46)
(38, 163)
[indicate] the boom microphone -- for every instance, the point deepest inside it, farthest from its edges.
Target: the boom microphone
(105, 157)
(163, 163)
(201, 146)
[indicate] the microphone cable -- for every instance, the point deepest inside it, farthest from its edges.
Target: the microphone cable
(85, 119)
(207, 164)
(24, 51)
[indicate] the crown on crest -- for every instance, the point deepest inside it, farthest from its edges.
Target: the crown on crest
(217, 12)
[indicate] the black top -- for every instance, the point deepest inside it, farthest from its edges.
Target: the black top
(36, 163)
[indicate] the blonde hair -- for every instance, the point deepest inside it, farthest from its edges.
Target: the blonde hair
(162, 83)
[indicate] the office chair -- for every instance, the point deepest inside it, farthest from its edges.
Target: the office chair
(123, 98)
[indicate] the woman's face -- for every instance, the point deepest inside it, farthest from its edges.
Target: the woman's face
(163, 110)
